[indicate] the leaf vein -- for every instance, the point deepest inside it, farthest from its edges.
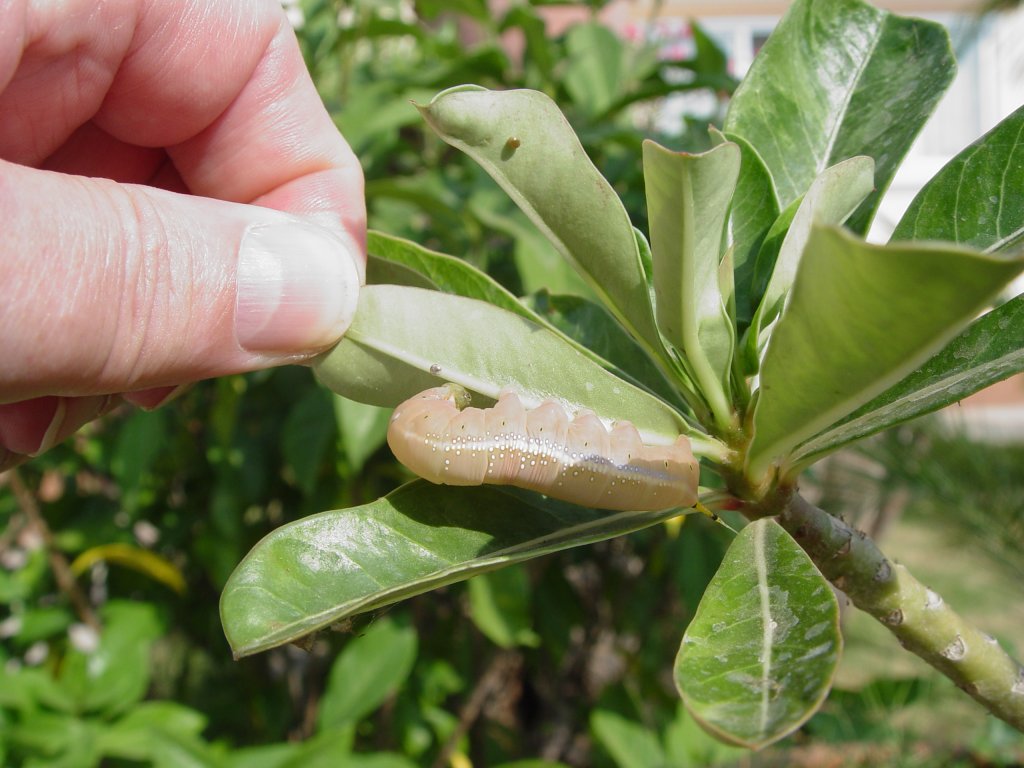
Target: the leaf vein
(768, 631)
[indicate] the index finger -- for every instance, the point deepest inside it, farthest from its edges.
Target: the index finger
(262, 135)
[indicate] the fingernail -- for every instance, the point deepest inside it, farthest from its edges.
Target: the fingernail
(151, 399)
(297, 287)
(50, 436)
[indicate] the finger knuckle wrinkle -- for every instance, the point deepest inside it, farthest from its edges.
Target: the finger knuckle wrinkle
(138, 264)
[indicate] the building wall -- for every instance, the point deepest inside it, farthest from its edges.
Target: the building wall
(702, 9)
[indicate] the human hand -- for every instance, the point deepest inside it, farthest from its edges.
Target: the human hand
(175, 204)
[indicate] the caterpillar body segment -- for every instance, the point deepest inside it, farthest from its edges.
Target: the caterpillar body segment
(439, 437)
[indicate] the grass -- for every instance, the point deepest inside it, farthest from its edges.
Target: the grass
(954, 515)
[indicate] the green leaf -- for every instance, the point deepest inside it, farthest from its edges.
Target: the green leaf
(991, 349)
(366, 673)
(41, 623)
(309, 574)
(18, 585)
(755, 207)
(709, 59)
(333, 749)
(373, 110)
(860, 317)
(499, 605)
(132, 737)
(522, 140)
(383, 272)
(688, 198)
(478, 9)
(727, 288)
(396, 198)
(540, 48)
(59, 741)
(688, 745)
(538, 263)
(759, 656)
(25, 689)
(116, 675)
(629, 743)
(172, 750)
(768, 253)
(445, 272)
(372, 760)
(593, 69)
(140, 441)
(307, 435)
(270, 756)
(834, 195)
(401, 334)
(362, 430)
(593, 327)
(837, 79)
(325, 750)
(452, 275)
(975, 199)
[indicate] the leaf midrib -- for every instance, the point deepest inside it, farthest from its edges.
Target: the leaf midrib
(768, 628)
(840, 121)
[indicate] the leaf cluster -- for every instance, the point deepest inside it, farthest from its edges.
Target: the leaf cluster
(150, 512)
(779, 333)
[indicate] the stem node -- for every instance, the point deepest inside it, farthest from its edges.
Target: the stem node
(919, 618)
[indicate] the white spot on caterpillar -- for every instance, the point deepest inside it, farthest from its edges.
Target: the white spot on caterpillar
(577, 460)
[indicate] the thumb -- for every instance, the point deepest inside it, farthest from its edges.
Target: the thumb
(115, 287)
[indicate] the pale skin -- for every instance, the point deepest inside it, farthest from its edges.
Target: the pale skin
(176, 204)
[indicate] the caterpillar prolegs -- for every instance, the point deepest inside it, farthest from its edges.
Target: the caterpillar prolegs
(436, 435)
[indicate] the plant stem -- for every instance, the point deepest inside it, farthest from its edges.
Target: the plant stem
(707, 447)
(497, 675)
(919, 617)
(58, 563)
(9, 459)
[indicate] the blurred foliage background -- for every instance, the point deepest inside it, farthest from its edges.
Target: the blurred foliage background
(115, 545)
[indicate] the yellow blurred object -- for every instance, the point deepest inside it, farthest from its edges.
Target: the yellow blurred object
(673, 525)
(141, 560)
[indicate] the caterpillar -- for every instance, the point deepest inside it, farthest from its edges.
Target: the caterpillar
(436, 435)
